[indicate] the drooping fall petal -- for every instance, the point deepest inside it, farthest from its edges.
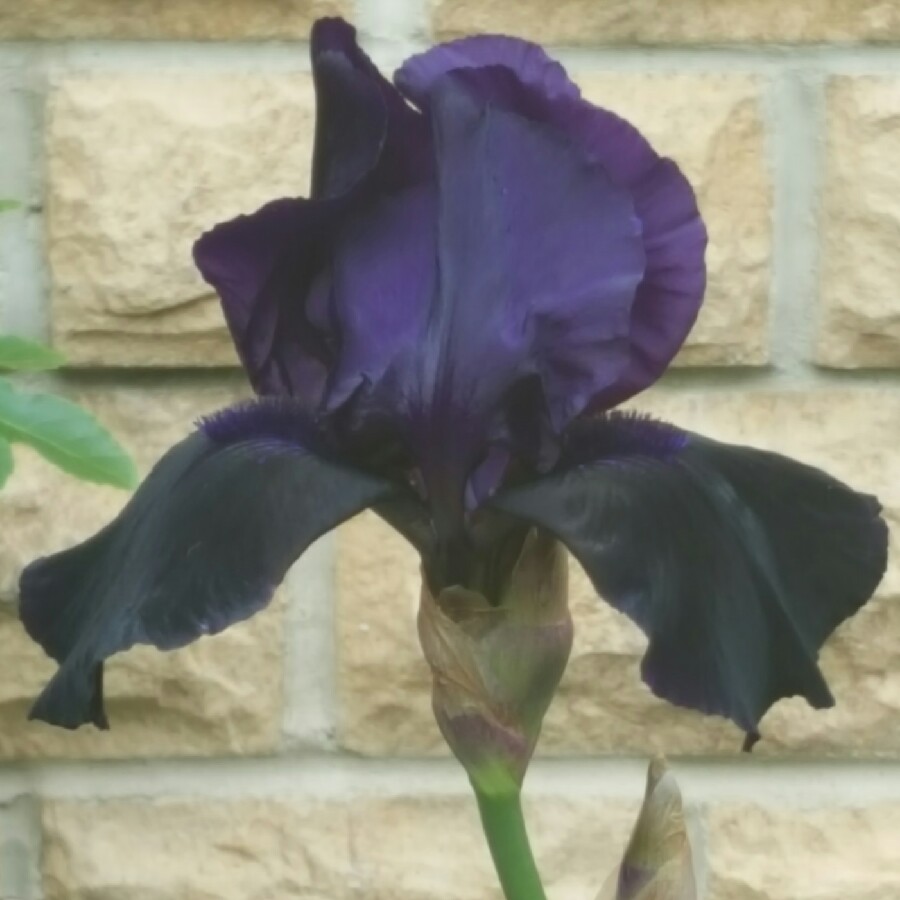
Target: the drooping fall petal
(203, 544)
(736, 563)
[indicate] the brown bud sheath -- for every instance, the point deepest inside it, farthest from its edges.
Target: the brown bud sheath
(496, 668)
(657, 864)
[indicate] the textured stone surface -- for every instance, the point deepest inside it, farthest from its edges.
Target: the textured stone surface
(220, 695)
(365, 847)
(712, 126)
(123, 212)
(829, 854)
(122, 218)
(664, 22)
(190, 19)
(20, 841)
(226, 851)
(860, 320)
(602, 706)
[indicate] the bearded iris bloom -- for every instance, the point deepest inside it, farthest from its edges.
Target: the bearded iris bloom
(486, 267)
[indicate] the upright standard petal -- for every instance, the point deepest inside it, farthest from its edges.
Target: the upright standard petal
(736, 563)
(364, 128)
(528, 62)
(264, 266)
(670, 294)
(382, 283)
(522, 287)
(202, 544)
(671, 291)
(519, 76)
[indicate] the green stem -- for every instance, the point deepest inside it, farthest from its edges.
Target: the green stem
(504, 828)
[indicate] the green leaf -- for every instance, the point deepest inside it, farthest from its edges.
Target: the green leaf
(8, 204)
(65, 435)
(6, 461)
(20, 355)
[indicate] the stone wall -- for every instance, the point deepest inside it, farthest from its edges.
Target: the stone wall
(295, 756)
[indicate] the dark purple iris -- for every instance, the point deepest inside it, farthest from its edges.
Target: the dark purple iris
(486, 266)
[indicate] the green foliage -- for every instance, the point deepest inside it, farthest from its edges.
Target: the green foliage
(20, 355)
(63, 434)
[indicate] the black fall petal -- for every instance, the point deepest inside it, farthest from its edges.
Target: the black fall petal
(202, 545)
(736, 563)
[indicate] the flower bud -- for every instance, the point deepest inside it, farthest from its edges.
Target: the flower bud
(657, 864)
(496, 667)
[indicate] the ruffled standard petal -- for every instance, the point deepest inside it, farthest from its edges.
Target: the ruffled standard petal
(202, 544)
(539, 255)
(352, 117)
(530, 64)
(669, 297)
(363, 125)
(369, 143)
(382, 283)
(263, 267)
(518, 76)
(670, 294)
(736, 563)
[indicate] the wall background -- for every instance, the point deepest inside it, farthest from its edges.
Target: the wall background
(294, 756)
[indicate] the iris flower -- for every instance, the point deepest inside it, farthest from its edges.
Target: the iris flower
(487, 266)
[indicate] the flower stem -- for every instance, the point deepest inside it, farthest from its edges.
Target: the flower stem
(504, 828)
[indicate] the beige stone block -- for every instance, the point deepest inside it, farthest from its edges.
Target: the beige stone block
(219, 696)
(369, 847)
(758, 853)
(122, 217)
(664, 22)
(194, 701)
(197, 20)
(859, 323)
(712, 126)
(201, 850)
(384, 686)
(602, 705)
(576, 843)
(138, 167)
